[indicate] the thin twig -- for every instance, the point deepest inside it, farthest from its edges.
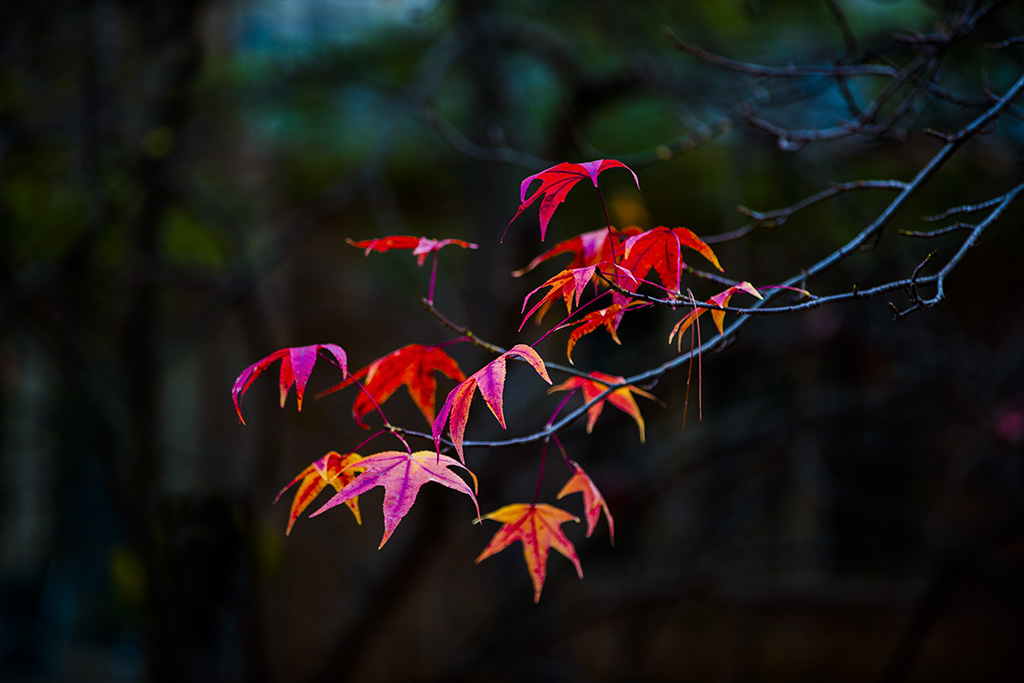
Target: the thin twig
(1017, 40)
(955, 227)
(965, 208)
(790, 71)
(780, 216)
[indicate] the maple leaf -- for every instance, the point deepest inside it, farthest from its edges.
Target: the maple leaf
(421, 246)
(555, 184)
(296, 366)
(490, 379)
(609, 317)
(593, 501)
(330, 469)
(401, 474)
(588, 249)
(414, 366)
(568, 283)
(720, 299)
(660, 249)
(596, 384)
(538, 527)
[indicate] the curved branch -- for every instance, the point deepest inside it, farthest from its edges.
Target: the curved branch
(789, 71)
(868, 233)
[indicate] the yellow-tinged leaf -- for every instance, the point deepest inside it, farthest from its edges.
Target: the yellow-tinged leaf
(593, 501)
(596, 384)
(538, 527)
(333, 469)
(401, 474)
(720, 299)
(568, 284)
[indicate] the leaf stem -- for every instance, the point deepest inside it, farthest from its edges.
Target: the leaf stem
(369, 396)
(387, 425)
(540, 474)
(565, 456)
(700, 363)
(608, 224)
(565, 320)
(554, 415)
(433, 278)
(367, 440)
(611, 235)
(448, 342)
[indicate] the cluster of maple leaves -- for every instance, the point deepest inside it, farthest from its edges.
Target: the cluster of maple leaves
(621, 260)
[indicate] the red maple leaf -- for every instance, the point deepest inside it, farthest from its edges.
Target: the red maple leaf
(490, 379)
(414, 366)
(538, 527)
(421, 246)
(296, 365)
(593, 501)
(555, 184)
(401, 474)
(588, 249)
(660, 249)
(595, 385)
(608, 317)
(720, 299)
(330, 469)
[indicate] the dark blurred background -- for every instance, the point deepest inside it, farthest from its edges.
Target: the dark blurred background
(177, 179)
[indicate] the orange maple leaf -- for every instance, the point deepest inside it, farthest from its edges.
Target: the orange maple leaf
(414, 366)
(331, 469)
(608, 317)
(421, 246)
(660, 249)
(555, 183)
(296, 366)
(490, 379)
(569, 284)
(401, 474)
(720, 299)
(593, 501)
(595, 385)
(538, 527)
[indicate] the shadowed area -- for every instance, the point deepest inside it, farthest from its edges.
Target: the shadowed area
(831, 492)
